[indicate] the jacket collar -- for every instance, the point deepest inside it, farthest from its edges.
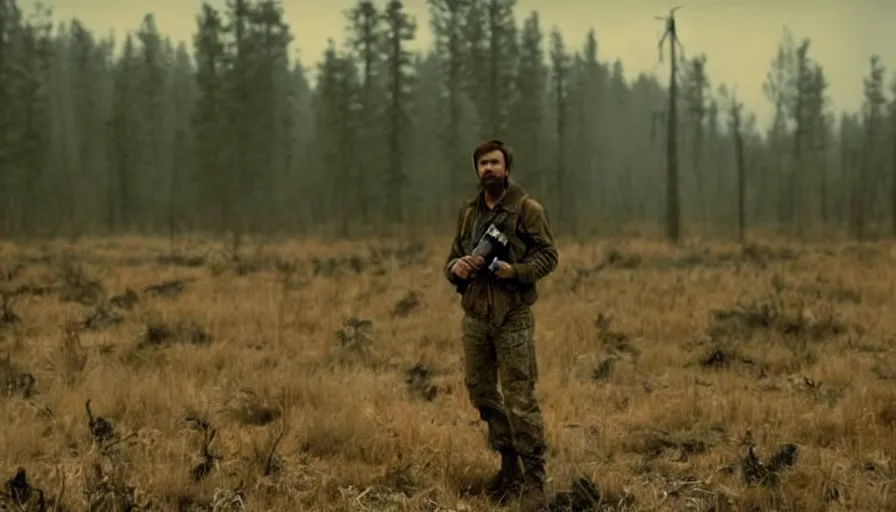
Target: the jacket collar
(511, 201)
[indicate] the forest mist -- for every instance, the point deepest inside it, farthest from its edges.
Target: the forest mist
(227, 134)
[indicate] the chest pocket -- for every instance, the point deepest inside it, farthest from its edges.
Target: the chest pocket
(516, 246)
(508, 222)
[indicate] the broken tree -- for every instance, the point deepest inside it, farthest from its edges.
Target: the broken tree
(673, 199)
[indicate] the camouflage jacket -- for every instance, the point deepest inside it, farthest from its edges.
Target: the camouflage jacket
(532, 253)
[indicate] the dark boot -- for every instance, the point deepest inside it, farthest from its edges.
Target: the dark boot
(533, 497)
(507, 481)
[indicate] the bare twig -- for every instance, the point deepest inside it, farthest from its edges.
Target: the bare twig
(269, 462)
(209, 458)
(670, 31)
(105, 449)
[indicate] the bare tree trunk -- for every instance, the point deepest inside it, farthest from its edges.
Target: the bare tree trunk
(673, 203)
(741, 172)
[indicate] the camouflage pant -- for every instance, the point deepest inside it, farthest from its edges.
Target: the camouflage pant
(490, 351)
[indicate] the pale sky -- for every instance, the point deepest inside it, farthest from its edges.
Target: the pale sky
(739, 37)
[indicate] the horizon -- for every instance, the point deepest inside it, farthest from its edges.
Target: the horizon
(628, 32)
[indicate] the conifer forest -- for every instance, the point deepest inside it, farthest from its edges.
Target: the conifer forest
(223, 281)
(228, 133)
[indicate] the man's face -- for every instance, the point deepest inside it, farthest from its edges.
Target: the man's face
(492, 171)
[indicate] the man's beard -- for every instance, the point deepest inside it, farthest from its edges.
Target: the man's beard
(493, 185)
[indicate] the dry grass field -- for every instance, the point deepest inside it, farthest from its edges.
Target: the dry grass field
(314, 376)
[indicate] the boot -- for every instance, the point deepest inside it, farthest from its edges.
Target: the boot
(508, 479)
(532, 497)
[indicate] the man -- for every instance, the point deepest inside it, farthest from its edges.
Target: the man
(498, 322)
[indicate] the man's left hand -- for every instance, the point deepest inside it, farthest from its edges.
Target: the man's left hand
(504, 270)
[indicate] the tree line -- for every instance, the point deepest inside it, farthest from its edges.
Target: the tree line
(146, 135)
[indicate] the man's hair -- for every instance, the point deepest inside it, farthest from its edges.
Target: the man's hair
(493, 145)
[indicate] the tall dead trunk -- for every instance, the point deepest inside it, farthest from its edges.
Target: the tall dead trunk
(673, 200)
(741, 171)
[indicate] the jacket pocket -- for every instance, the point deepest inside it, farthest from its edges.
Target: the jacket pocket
(474, 299)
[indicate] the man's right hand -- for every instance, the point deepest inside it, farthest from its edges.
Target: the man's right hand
(463, 267)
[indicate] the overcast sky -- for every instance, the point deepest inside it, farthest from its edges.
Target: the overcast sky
(739, 37)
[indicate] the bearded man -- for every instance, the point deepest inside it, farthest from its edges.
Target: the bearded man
(498, 323)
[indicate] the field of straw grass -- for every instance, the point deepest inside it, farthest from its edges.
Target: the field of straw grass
(314, 376)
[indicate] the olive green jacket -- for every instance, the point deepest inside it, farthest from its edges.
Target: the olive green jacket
(532, 253)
